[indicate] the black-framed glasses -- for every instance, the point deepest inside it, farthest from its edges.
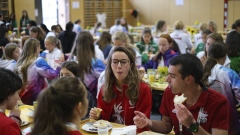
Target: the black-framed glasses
(123, 62)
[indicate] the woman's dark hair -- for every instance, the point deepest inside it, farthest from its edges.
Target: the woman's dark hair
(40, 35)
(233, 44)
(9, 82)
(175, 47)
(216, 51)
(189, 65)
(44, 27)
(27, 18)
(73, 67)
(56, 105)
(58, 25)
(104, 40)
(3, 31)
(54, 27)
(85, 47)
(126, 23)
(12, 19)
(97, 25)
(160, 24)
(146, 31)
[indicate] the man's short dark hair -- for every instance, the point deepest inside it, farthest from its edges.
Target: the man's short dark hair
(237, 23)
(32, 23)
(9, 82)
(189, 65)
(69, 26)
(77, 21)
(54, 27)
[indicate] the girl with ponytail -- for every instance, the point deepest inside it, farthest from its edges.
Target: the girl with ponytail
(53, 51)
(60, 108)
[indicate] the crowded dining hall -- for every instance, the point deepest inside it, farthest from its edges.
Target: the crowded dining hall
(119, 67)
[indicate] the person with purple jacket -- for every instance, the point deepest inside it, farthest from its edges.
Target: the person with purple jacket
(164, 54)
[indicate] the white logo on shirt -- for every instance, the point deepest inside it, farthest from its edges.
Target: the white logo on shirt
(118, 110)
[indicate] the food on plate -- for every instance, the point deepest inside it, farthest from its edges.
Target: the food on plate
(179, 99)
(98, 111)
(157, 76)
(101, 123)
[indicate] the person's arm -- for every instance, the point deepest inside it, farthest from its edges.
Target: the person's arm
(149, 65)
(235, 83)
(45, 70)
(188, 41)
(185, 117)
(164, 126)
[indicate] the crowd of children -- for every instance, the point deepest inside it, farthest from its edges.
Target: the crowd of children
(69, 73)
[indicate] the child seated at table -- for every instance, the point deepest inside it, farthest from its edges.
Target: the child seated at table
(10, 85)
(71, 69)
(164, 54)
(60, 108)
(147, 46)
(53, 51)
(10, 56)
(122, 92)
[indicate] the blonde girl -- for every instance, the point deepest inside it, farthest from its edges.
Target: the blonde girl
(11, 55)
(33, 70)
(53, 51)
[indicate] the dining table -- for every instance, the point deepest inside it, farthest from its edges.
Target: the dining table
(115, 125)
(27, 112)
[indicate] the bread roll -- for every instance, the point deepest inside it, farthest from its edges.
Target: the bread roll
(179, 99)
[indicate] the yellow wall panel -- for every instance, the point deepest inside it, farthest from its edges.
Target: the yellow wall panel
(236, 10)
(199, 11)
(76, 13)
(230, 13)
(20, 5)
(179, 12)
(160, 10)
(217, 13)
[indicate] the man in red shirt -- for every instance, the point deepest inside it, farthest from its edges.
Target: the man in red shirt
(204, 112)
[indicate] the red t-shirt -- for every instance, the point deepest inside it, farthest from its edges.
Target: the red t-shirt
(74, 133)
(8, 126)
(121, 109)
(69, 133)
(215, 111)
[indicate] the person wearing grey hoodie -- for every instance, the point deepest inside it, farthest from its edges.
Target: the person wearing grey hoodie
(10, 57)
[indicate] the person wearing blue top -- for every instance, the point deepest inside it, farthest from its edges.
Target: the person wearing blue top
(164, 54)
(225, 81)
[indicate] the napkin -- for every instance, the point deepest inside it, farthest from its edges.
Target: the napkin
(26, 130)
(129, 130)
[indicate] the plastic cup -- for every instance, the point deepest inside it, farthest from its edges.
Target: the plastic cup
(151, 75)
(35, 105)
(102, 130)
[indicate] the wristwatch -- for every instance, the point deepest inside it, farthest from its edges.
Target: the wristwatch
(194, 127)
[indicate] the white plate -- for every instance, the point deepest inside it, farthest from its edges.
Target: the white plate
(30, 113)
(90, 128)
(24, 123)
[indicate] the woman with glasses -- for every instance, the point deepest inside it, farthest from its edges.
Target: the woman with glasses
(123, 92)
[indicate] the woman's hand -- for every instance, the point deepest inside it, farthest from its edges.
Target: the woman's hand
(15, 111)
(94, 114)
(141, 71)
